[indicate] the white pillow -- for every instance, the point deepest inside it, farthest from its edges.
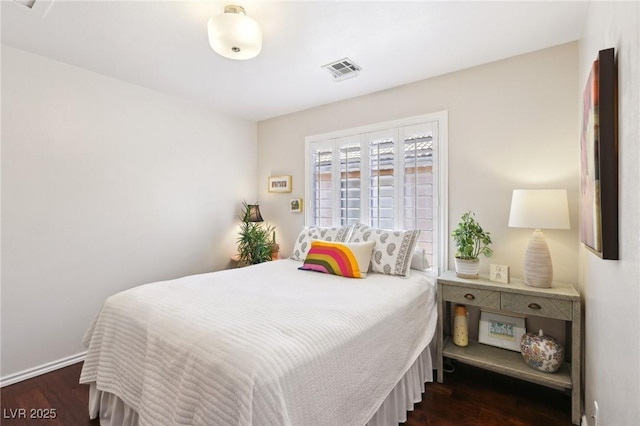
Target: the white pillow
(419, 260)
(302, 245)
(393, 250)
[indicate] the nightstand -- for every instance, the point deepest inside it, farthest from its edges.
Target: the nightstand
(235, 262)
(560, 302)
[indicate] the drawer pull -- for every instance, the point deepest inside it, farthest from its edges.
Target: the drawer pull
(534, 306)
(469, 296)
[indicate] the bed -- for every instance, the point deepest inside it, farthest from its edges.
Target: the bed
(267, 344)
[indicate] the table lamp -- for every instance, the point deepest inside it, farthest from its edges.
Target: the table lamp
(539, 209)
(253, 213)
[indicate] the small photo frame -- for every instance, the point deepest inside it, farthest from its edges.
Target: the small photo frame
(502, 331)
(279, 183)
(499, 273)
(295, 205)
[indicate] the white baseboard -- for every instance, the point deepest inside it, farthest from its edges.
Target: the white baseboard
(41, 369)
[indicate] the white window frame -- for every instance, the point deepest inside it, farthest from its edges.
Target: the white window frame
(440, 174)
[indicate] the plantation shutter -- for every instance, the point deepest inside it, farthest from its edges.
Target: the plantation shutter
(388, 175)
(350, 181)
(418, 182)
(323, 186)
(382, 179)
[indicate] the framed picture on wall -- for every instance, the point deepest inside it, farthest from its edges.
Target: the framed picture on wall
(279, 183)
(295, 205)
(599, 159)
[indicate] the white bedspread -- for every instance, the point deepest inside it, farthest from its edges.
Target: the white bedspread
(262, 345)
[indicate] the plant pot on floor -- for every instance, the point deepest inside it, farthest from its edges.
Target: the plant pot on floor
(467, 268)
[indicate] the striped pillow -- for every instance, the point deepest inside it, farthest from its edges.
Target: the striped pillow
(344, 259)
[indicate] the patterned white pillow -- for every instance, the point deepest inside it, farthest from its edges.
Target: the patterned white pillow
(419, 260)
(393, 250)
(302, 245)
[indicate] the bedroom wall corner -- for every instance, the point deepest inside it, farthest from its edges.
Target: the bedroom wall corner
(610, 288)
(105, 185)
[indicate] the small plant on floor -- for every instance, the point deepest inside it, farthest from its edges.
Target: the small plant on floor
(255, 243)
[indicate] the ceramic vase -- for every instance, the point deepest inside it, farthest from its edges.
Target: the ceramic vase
(542, 352)
(460, 326)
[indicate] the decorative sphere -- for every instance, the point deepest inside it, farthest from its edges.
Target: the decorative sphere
(541, 352)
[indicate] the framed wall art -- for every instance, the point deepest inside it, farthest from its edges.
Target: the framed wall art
(295, 205)
(503, 331)
(279, 183)
(599, 159)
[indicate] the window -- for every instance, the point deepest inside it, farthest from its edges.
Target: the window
(349, 175)
(388, 175)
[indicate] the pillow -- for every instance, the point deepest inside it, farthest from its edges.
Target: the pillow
(310, 233)
(345, 259)
(419, 260)
(393, 250)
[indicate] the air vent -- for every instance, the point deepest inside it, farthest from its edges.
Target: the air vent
(342, 69)
(27, 3)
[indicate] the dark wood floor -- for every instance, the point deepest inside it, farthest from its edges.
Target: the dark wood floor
(475, 397)
(469, 396)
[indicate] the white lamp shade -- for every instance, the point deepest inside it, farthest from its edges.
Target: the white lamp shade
(234, 35)
(539, 209)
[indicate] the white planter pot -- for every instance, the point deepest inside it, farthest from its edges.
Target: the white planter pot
(467, 268)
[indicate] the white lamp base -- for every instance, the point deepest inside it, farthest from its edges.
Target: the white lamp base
(538, 270)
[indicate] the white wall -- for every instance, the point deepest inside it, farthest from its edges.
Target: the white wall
(611, 289)
(512, 124)
(105, 185)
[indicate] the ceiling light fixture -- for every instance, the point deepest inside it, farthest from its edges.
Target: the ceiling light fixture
(234, 35)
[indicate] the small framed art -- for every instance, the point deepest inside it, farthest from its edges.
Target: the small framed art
(503, 331)
(499, 273)
(279, 183)
(295, 205)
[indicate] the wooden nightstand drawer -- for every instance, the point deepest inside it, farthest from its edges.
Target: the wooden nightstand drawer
(474, 297)
(538, 306)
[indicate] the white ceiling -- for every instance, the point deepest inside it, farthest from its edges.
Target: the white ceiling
(163, 45)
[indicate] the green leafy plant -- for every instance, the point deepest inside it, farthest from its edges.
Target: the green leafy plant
(255, 242)
(470, 239)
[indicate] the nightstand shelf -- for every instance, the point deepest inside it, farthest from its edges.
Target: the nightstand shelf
(560, 302)
(505, 362)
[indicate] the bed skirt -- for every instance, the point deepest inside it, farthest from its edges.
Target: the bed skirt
(114, 412)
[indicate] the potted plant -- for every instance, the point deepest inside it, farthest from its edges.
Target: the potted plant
(254, 244)
(471, 241)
